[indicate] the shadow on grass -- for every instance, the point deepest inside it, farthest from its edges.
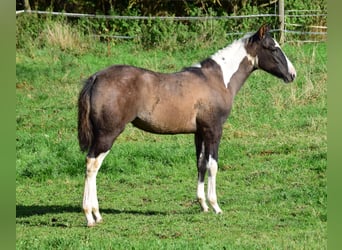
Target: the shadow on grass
(23, 211)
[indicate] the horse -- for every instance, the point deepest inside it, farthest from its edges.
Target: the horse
(196, 100)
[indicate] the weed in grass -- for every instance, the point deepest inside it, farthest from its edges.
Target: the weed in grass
(61, 36)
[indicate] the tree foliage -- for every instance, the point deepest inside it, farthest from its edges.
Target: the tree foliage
(162, 7)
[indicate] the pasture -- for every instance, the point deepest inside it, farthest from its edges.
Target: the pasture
(271, 183)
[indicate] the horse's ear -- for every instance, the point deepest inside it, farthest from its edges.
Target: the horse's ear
(263, 30)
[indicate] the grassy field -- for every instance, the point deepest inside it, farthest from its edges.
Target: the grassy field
(272, 183)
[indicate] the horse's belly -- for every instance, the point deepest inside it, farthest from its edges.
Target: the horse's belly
(167, 121)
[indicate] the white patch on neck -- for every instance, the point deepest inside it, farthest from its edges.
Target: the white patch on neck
(230, 58)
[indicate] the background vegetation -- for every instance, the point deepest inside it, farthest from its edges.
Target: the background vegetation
(157, 32)
(272, 183)
(167, 7)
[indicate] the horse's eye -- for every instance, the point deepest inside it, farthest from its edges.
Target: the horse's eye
(269, 46)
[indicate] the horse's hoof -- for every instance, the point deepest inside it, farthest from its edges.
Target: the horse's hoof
(99, 220)
(91, 224)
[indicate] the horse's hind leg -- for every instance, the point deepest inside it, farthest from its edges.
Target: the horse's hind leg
(95, 157)
(90, 201)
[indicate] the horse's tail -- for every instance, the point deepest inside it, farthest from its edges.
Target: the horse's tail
(85, 127)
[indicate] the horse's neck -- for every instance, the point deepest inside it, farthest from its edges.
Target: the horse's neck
(240, 77)
(229, 59)
(235, 63)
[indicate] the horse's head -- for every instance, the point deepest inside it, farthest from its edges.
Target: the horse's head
(269, 56)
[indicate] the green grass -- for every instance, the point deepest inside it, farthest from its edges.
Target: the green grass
(272, 184)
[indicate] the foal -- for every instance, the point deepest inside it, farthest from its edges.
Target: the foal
(196, 100)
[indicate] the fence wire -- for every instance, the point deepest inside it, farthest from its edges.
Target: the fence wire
(288, 15)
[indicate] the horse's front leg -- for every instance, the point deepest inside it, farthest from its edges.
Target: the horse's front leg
(212, 171)
(211, 142)
(90, 201)
(202, 169)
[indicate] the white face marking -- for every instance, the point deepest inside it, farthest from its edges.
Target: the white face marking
(291, 68)
(230, 58)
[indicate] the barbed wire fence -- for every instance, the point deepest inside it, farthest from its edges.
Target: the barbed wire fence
(290, 31)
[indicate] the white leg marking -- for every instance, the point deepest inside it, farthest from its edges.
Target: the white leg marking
(88, 192)
(201, 196)
(212, 171)
(90, 202)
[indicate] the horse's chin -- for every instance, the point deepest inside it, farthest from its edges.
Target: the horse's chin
(289, 78)
(286, 81)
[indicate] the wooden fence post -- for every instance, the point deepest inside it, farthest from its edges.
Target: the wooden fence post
(282, 21)
(27, 5)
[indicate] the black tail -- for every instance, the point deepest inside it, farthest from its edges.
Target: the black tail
(85, 128)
